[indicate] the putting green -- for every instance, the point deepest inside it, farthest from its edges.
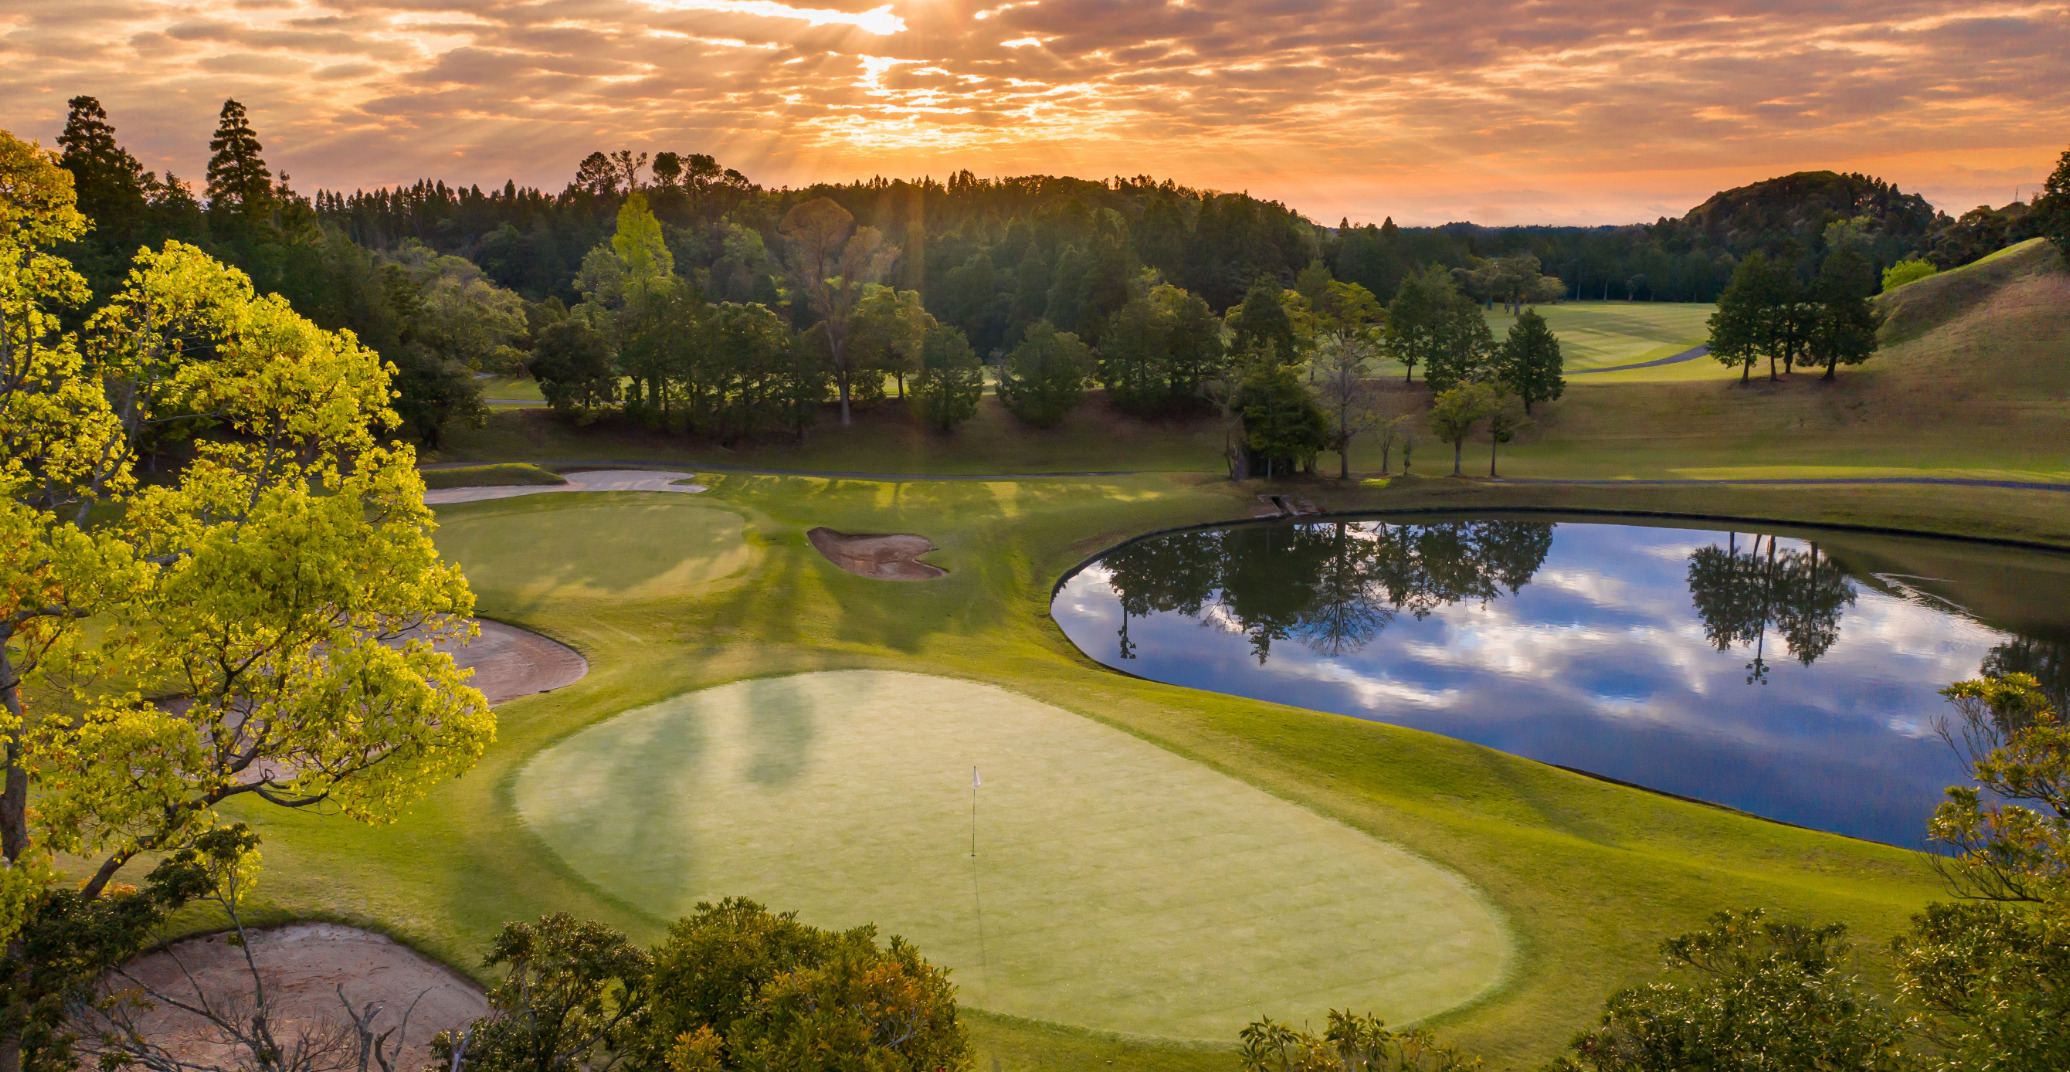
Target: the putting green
(621, 546)
(1116, 885)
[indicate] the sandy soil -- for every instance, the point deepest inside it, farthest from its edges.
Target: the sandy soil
(885, 558)
(595, 480)
(509, 662)
(302, 964)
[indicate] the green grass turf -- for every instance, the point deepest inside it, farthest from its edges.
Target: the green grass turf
(512, 388)
(1588, 877)
(1113, 885)
(619, 546)
(1601, 334)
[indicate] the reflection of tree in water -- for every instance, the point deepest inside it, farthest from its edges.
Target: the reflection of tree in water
(1740, 596)
(2046, 659)
(1331, 586)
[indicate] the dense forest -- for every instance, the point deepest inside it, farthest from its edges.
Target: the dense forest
(450, 281)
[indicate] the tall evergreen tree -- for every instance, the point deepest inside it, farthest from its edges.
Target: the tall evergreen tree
(237, 174)
(1529, 361)
(111, 185)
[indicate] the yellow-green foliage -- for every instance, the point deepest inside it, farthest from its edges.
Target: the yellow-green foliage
(247, 617)
(1906, 271)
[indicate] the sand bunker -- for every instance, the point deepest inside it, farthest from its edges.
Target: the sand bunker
(885, 558)
(595, 480)
(303, 965)
(509, 662)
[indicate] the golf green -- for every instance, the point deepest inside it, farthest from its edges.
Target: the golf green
(1115, 885)
(618, 546)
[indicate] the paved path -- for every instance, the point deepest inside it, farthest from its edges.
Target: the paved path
(1687, 355)
(828, 474)
(520, 403)
(597, 480)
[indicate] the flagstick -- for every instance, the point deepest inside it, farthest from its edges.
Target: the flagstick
(973, 812)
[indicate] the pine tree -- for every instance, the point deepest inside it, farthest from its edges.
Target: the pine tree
(1529, 361)
(111, 185)
(237, 175)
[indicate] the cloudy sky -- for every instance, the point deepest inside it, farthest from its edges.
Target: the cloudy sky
(1607, 111)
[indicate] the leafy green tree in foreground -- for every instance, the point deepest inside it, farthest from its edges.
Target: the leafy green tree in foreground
(1529, 363)
(737, 987)
(1993, 971)
(1044, 377)
(732, 988)
(284, 588)
(1756, 995)
(574, 998)
(1454, 413)
(951, 380)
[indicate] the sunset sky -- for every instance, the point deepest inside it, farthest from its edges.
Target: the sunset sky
(1603, 112)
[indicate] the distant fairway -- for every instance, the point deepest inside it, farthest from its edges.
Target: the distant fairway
(1601, 334)
(1123, 887)
(611, 545)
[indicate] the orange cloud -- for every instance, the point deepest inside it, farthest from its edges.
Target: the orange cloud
(1427, 111)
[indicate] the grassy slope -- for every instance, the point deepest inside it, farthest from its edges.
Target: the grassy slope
(1589, 875)
(1973, 378)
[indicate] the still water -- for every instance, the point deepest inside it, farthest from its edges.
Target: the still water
(1791, 674)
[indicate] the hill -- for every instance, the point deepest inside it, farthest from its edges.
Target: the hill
(1973, 377)
(1799, 206)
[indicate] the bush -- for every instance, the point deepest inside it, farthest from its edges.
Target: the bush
(1757, 995)
(736, 986)
(1908, 271)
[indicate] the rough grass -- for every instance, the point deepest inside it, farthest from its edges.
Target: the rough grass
(506, 474)
(1589, 876)
(883, 439)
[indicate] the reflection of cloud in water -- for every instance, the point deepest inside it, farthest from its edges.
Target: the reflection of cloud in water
(1599, 661)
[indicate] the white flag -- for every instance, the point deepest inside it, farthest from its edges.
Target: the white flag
(975, 781)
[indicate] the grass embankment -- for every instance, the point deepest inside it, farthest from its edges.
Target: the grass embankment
(1587, 876)
(1972, 380)
(505, 474)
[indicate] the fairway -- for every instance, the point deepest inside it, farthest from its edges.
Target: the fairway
(1116, 885)
(630, 546)
(1604, 334)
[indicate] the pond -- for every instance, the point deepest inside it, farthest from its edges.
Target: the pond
(1793, 674)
